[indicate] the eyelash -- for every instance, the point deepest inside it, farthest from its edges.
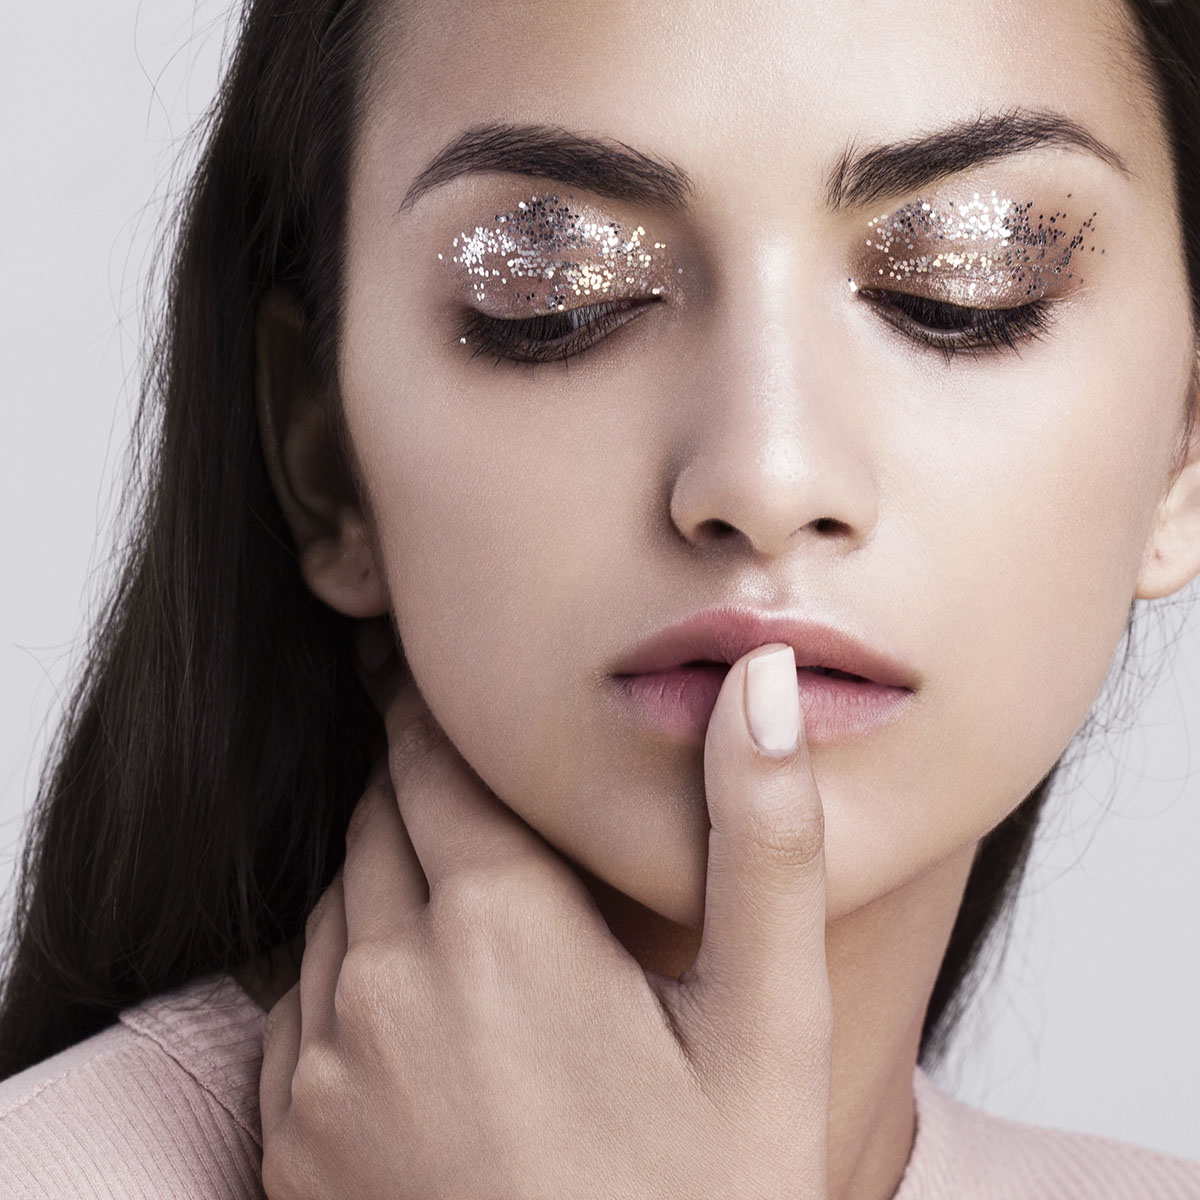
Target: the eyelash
(962, 329)
(560, 335)
(545, 337)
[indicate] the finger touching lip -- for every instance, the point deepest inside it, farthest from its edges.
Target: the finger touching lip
(720, 636)
(677, 702)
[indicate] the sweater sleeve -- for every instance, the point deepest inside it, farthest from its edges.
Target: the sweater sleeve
(129, 1114)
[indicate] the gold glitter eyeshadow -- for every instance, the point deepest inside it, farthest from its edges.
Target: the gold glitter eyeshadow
(1022, 250)
(546, 252)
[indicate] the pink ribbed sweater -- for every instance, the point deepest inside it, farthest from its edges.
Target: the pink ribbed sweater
(165, 1104)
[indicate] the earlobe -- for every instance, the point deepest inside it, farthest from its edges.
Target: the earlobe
(1172, 557)
(337, 558)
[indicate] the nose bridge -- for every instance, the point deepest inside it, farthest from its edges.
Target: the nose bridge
(765, 302)
(771, 443)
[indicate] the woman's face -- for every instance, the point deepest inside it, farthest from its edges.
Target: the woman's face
(757, 429)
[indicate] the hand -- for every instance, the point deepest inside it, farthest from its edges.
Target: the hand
(466, 1026)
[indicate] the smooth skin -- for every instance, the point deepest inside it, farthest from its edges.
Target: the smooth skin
(522, 1016)
(762, 437)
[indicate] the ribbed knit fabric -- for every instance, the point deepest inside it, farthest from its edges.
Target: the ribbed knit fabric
(963, 1153)
(164, 1105)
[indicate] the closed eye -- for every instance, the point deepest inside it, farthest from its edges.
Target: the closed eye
(937, 324)
(954, 328)
(547, 337)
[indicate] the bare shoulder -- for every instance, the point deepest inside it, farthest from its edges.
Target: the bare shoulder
(160, 1103)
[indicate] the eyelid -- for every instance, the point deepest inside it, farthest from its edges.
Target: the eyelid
(555, 252)
(989, 330)
(991, 247)
(486, 334)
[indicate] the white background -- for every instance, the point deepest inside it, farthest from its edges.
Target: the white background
(1091, 1024)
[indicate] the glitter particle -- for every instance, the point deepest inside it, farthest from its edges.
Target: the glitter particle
(1015, 252)
(543, 239)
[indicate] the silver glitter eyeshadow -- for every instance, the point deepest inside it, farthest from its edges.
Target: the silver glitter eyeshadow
(533, 255)
(994, 247)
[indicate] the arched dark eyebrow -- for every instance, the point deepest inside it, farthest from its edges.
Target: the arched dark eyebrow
(607, 167)
(862, 177)
(620, 172)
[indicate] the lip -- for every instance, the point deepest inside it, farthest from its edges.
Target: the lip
(670, 681)
(723, 635)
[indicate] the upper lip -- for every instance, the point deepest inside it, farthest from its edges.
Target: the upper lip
(723, 635)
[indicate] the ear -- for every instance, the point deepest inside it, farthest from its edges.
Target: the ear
(1172, 557)
(311, 481)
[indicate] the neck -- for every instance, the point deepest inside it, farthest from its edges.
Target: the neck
(883, 961)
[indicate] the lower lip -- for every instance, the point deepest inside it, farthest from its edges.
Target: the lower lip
(679, 702)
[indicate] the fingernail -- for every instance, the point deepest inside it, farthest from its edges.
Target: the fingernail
(773, 702)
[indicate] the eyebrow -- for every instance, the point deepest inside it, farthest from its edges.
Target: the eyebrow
(859, 177)
(607, 167)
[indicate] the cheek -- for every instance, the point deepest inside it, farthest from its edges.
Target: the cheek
(1040, 546)
(492, 525)
(1026, 515)
(497, 549)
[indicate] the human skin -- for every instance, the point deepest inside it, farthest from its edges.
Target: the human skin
(463, 1001)
(988, 520)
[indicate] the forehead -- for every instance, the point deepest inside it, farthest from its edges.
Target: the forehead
(763, 85)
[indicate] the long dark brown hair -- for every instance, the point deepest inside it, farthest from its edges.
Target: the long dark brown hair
(195, 799)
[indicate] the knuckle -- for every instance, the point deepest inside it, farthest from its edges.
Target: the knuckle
(413, 743)
(496, 892)
(361, 982)
(379, 990)
(787, 838)
(475, 909)
(316, 1078)
(457, 901)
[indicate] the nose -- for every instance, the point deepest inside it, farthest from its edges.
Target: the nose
(774, 446)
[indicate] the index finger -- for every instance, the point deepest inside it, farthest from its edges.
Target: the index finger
(383, 880)
(761, 967)
(456, 823)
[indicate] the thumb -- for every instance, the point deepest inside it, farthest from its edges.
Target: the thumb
(760, 977)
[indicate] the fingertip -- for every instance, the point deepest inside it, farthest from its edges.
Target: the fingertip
(771, 702)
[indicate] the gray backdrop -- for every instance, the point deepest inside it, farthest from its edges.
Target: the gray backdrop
(1090, 1024)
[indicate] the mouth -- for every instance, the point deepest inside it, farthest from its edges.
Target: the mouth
(830, 672)
(677, 703)
(847, 688)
